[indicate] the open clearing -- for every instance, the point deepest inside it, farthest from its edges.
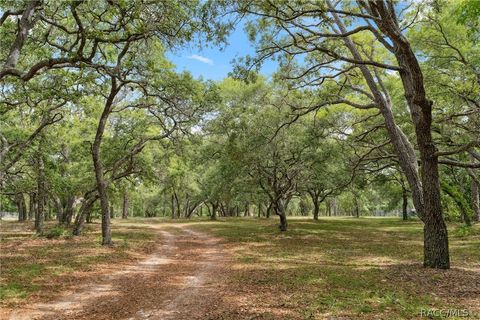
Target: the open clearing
(342, 268)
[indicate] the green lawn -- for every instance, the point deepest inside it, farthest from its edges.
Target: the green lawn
(368, 268)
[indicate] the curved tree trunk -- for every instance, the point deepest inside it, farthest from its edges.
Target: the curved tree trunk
(97, 163)
(84, 210)
(425, 186)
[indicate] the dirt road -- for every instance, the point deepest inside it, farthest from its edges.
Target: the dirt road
(180, 280)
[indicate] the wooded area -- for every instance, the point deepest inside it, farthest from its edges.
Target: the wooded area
(373, 110)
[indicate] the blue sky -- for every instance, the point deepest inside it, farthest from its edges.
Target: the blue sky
(215, 64)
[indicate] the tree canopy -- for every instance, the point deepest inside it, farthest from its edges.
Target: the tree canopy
(374, 109)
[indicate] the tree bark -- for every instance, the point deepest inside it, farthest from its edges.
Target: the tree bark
(176, 205)
(279, 207)
(404, 203)
(125, 206)
(68, 211)
(425, 187)
(269, 210)
(32, 203)
(357, 208)
(97, 163)
(85, 209)
(316, 210)
(246, 213)
(213, 216)
(173, 206)
(475, 201)
(314, 195)
(334, 206)
(58, 208)
(21, 206)
(283, 222)
(41, 192)
(25, 23)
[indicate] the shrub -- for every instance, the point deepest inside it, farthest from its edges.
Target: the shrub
(54, 233)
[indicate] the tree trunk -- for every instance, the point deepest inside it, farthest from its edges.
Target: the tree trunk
(32, 203)
(283, 222)
(83, 212)
(247, 210)
(316, 210)
(21, 206)
(404, 203)
(112, 212)
(426, 188)
(269, 210)
(475, 201)
(334, 206)
(357, 208)
(89, 218)
(59, 209)
(125, 206)
(213, 216)
(279, 208)
(314, 195)
(176, 204)
(436, 253)
(173, 206)
(97, 163)
(41, 193)
(68, 211)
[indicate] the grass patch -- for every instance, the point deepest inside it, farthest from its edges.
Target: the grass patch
(345, 267)
(12, 290)
(32, 264)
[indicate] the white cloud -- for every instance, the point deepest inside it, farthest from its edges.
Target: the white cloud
(201, 59)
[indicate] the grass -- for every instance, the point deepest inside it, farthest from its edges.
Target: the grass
(32, 265)
(368, 268)
(334, 268)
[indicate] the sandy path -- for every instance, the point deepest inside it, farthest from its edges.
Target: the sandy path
(178, 281)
